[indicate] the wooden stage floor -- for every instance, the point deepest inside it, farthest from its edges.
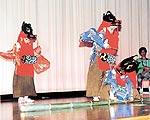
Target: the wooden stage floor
(10, 111)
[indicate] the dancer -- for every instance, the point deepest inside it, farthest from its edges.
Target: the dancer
(25, 53)
(111, 27)
(104, 51)
(122, 80)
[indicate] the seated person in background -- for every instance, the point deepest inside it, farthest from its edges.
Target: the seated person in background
(143, 71)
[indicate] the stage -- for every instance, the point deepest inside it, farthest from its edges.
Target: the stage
(10, 111)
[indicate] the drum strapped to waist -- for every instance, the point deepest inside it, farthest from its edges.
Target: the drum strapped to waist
(106, 57)
(29, 59)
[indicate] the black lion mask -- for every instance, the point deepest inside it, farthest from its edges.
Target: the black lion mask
(109, 17)
(129, 64)
(27, 29)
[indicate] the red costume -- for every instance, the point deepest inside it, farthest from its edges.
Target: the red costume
(25, 49)
(112, 41)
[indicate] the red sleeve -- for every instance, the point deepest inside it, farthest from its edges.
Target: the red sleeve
(103, 24)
